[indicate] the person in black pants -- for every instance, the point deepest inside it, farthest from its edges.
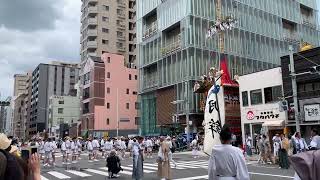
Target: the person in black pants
(113, 164)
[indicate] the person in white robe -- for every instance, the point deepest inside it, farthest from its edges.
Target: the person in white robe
(226, 161)
(108, 147)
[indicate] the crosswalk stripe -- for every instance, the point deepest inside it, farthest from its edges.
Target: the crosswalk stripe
(58, 175)
(97, 172)
(156, 165)
(121, 172)
(130, 168)
(78, 173)
(147, 167)
(43, 178)
(194, 178)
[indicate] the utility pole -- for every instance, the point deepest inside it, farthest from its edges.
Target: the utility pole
(294, 89)
(117, 112)
(187, 111)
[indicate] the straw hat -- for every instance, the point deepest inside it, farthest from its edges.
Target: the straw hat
(4, 141)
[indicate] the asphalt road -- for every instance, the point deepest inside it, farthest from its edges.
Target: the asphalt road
(187, 168)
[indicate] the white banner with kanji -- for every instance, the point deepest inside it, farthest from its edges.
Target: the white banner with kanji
(212, 123)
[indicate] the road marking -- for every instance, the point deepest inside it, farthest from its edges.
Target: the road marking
(194, 178)
(130, 168)
(78, 173)
(43, 178)
(146, 167)
(156, 165)
(58, 175)
(253, 173)
(274, 175)
(97, 172)
(121, 172)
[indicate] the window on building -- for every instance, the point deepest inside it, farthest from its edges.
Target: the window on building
(60, 110)
(308, 87)
(272, 94)
(134, 92)
(86, 78)
(136, 77)
(137, 105)
(86, 93)
(106, 8)
(245, 101)
(136, 120)
(127, 105)
(105, 19)
(108, 90)
(108, 74)
(316, 86)
(128, 91)
(105, 30)
(108, 121)
(256, 97)
(108, 60)
(108, 105)
(61, 102)
(119, 34)
(104, 41)
(130, 77)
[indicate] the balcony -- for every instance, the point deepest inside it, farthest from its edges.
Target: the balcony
(92, 44)
(291, 37)
(151, 83)
(93, 10)
(121, 26)
(92, 21)
(150, 31)
(171, 48)
(121, 15)
(92, 32)
(123, 38)
(122, 4)
(308, 22)
(121, 49)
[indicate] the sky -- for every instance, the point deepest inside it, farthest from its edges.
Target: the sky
(36, 31)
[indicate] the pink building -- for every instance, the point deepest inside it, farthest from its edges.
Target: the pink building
(120, 99)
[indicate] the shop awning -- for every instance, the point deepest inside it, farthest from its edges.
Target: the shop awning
(273, 123)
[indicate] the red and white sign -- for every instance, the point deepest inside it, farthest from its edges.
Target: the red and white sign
(250, 115)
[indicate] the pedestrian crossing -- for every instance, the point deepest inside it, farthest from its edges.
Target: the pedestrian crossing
(127, 170)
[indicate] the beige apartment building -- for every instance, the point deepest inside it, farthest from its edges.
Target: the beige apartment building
(108, 26)
(20, 84)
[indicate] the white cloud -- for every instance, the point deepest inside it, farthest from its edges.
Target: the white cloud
(22, 51)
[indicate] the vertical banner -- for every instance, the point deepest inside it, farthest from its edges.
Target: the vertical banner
(212, 122)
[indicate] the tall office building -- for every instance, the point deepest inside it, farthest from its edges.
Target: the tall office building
(174, 51)
(108, 26)
(20, 83)
(57, 78)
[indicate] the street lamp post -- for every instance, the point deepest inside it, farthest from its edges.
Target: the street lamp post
(186, 101)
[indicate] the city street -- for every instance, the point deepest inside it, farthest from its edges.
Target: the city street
(187, 168)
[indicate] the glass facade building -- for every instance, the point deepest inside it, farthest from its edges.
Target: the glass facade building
(173, 48)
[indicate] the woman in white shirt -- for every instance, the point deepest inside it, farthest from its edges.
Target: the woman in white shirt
(227, 162)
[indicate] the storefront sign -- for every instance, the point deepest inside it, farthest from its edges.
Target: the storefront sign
(250, 115)
(262, 115)
(312, 112)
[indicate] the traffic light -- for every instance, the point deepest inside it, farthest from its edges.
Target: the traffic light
(4, 103)
(315, 69)
(283, 106)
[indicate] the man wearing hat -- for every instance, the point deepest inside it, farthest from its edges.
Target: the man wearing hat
(5, 143)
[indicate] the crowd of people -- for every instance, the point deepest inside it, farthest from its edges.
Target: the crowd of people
(280, 147)
(113, 150)
(226, 160)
